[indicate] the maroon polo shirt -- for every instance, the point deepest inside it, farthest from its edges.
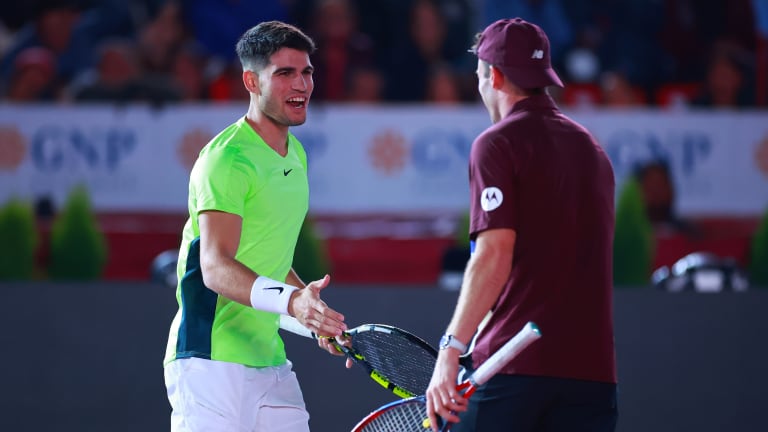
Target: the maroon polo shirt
(543, 175)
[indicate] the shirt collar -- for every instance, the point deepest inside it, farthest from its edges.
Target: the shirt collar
(535, 102)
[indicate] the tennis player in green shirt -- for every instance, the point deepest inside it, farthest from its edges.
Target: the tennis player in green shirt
(225, 365)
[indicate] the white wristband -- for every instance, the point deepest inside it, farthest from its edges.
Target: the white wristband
(270, 295)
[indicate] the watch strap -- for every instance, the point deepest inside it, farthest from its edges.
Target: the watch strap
(450, 341)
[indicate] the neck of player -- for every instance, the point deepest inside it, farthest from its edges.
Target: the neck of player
(274, 134)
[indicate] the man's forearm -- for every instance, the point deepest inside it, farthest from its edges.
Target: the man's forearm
(229, 278)
(484, 279)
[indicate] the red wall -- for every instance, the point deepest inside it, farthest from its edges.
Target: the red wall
(136, 239)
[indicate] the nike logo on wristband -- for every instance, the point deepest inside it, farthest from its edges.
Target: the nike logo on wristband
(280, 289)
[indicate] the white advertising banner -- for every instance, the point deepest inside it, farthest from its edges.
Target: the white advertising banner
(363, 159)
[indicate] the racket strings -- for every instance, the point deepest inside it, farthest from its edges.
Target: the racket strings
(409, 416)
(403, 362)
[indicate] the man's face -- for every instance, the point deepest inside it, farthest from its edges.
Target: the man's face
(485, 88)
(285, 86)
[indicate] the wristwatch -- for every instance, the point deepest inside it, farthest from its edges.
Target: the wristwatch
(450, 341)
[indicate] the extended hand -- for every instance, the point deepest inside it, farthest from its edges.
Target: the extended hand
(307, 307)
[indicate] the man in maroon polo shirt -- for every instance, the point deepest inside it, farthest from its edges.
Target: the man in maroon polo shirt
(542, 218)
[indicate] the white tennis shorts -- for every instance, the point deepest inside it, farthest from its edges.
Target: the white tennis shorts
(208, 395)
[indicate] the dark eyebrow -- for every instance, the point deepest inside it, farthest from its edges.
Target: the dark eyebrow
(290, 69)
(284, 69)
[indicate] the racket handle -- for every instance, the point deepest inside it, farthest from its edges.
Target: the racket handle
(503, 355)
(293, 325)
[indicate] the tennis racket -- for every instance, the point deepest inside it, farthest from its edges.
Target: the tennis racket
(396, 359)
(410, 415)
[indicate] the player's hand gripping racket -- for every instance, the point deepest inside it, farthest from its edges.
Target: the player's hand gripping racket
(410, 415)
(394, 358)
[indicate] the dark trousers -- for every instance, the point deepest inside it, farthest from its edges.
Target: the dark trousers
(519, 403)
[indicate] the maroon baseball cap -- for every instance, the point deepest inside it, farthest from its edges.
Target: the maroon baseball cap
(520, 50)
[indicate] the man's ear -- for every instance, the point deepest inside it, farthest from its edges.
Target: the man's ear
(251, 81)
(497, 78)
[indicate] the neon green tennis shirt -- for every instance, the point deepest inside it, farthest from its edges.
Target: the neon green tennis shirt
(238, 173)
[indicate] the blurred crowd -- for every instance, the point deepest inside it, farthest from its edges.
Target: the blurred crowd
(710, 53)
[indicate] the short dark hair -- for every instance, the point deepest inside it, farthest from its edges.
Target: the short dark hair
(475, 43)
(257, 45)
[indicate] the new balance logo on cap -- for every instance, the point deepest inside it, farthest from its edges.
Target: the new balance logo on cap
(520, 50)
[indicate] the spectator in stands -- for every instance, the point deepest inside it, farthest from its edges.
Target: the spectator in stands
(188, 73)
(341, 48)
(739, 24)
(617, 91)
(52, 29)
(658, 190)
(686, 35)
(378, 18)
(653, 42)
(691, 28)
(117, 66)
(727, 84)
(459, 17)
(581, 63)
(118, 78)
(443, 86)
(365, 85)
(408, 65)
(160, 38)
(5, 39)
(33, 78)
(641, 59)
(71, 34)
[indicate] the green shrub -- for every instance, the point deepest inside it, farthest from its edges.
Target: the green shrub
(462, 231)
(78, 247)
(758, 262)
(633, 245)
(310, 260)
(19, 233)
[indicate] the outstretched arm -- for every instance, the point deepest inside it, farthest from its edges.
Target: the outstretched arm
(487, 271)
(219, 239)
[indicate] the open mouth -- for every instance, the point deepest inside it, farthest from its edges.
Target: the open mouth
(297, 102)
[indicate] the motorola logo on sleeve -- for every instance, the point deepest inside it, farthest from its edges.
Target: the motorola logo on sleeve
(491, 198)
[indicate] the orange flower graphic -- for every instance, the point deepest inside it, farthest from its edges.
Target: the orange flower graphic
(388, 152)
(191, 144)
(13, 148)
